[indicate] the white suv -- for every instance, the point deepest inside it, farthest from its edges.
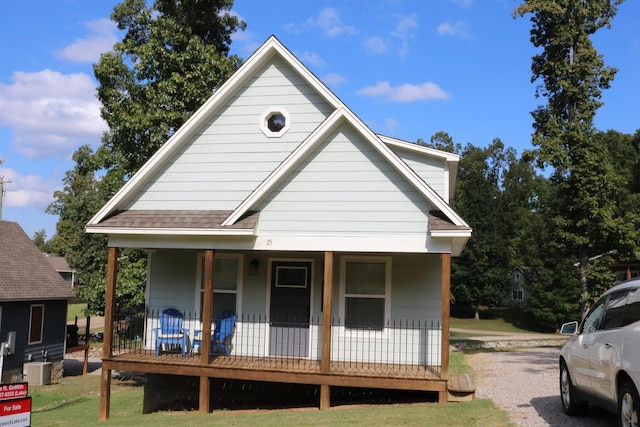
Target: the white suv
(600, 363)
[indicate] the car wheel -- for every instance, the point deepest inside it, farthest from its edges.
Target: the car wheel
(628, 404)
(570, 404)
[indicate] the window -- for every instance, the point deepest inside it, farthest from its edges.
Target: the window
(275, 122)
(612, 317)
(36, 323)
(592, 321)
(517, 295)
(631, 311)
(227, 276)
(365, 285)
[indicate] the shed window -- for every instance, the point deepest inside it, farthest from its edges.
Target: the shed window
(517, 295)
(36, 323)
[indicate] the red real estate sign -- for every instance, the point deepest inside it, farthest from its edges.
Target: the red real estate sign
(13, 391)
(16, 412)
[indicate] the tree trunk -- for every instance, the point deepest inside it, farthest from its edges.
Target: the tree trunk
(584, 259)
(477, 315)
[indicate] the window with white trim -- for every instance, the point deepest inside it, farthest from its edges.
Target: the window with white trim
(275, 122)
(365, 287)
(36, 323)
(227, 282)
(517, 295)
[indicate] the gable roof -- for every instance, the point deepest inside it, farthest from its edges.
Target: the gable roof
(339, 115)
(108, 219)
(25, 273)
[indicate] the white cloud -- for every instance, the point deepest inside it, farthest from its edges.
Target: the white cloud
(330, 23)
(391, 124)
(88, 49)
(464, 4)
(405, 29)
(27, 190)
(405, 93)
(375, 45)
(460, 29)
(50, 113)
(334, 79)
(312, 59)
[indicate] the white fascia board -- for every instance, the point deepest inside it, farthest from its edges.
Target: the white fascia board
(253, 63)
(411, 146)
(450, 233)
(172, 231)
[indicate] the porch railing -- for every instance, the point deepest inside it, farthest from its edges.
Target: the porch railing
(402, 347)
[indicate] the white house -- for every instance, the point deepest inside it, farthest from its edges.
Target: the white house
(277, 203)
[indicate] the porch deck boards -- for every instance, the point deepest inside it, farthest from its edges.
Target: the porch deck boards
(171, 363)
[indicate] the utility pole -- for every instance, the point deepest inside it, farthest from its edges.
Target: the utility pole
(2, 183)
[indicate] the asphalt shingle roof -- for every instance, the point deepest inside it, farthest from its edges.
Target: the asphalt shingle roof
(25, 272)
(205, 219)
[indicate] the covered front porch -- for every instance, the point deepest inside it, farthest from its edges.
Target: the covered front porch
(402, 354)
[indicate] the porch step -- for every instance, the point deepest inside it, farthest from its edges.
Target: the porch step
(460, 388)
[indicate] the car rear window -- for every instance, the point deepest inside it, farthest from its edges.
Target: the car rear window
(631, 312)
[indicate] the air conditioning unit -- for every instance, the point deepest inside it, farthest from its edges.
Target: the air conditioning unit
(37, 373)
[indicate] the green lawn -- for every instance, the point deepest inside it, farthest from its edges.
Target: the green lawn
(504, 319)
(74, 401)
(75, 310)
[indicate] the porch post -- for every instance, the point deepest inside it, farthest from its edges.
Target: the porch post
(109, 309)
(207, 308)
(446, 301)
(327, 296)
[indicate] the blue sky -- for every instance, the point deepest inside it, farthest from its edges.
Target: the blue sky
(408, 68)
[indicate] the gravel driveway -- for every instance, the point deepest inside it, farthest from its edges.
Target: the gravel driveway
(525, 384)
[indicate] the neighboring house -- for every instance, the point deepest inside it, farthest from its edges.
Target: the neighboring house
(518, 293)
(276, 202)
(33, 305)
(62, 267)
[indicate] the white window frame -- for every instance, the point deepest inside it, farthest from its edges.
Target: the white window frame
(31, 324)
(517, 295)
(343, 295)
(264, 118)
(200, 287)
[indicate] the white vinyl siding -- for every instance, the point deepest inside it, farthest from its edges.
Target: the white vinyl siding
(344, 187)
(430, 169)
(227, 159)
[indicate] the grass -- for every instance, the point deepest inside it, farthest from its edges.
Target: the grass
(502, 319)
(76, 310)
(75, 401)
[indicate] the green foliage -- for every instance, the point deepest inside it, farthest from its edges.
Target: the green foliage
(173, 56)
(572, 75)
(480, 276)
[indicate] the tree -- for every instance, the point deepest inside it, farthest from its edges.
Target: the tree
(173, 56)
(573, 75)
(480, 276)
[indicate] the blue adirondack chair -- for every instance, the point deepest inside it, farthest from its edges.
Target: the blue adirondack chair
(171, 331)
(222, 334)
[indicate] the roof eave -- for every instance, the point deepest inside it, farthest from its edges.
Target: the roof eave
(172, 231)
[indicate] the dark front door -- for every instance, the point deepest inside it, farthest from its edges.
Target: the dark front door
(290, 308)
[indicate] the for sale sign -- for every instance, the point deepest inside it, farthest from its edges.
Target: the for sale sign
(16, 413)
(13, 391)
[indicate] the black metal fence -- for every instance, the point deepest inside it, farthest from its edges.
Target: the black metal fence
(403, 347)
